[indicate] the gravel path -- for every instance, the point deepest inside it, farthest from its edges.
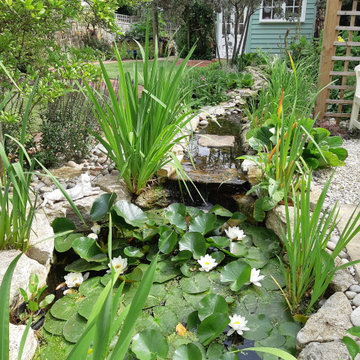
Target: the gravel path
(345, 185)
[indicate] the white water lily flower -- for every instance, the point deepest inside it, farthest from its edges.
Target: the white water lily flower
(234, 233)
(73, 279)
(272, 130)
(118, 263)
(207, 263)
(255, 277)
(238, 324)
(96, 228)
(93, 236)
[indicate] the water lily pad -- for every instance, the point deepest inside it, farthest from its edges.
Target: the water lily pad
(145, 322)
(82, 265)
(194, 242)
(193, 299)
(275, 306)
(218, 256)
(219, 241)
(168, 241)
(186, 269)
(88, 249)
(204, 223)
(165, 270)
(65, 307)
(210, 304)
(220, 211)
(177, 304)
(59, 225)
(256, 258)
(166, 319)
(229, 356)
(198, 283)
(193, 321)
(156, 295)
(237, 273)
(212, 327)
(182, 256)
(131, 213)
(149, 343)
(273, 340)
(53, 325)
(176, 208)
(86, 306)
(289, 328)
(90, 285)
(260, 327)
(214, 351)
(102, 206)
(132, 251)
(272, 269)
(188, 352)
(74, 327)
(238, 249)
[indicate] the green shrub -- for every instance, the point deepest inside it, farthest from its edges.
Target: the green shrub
(65, 125)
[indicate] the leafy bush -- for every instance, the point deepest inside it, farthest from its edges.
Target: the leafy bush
(65, 129)
(251, 59)
(211, 83)
(101, 46)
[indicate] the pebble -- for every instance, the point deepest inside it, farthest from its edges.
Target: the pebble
(343, 255)
(355, 288)
(356, 300)
(73, 164)
(204, 123)
(355, 317)
(45, 189)
(101, 160)
(330, 245)
(350, 294)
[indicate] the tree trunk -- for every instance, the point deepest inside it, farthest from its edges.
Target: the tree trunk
(236, 28)
(245, 33)
(155, 24)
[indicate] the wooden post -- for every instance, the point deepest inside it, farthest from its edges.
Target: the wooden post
(327, 52)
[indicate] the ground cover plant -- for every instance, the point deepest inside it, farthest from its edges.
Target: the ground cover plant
(213, 270)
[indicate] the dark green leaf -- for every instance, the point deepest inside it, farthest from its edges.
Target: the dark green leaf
(149, 343)
(88, 249)
(219, 241)
(355, 330)
(182, 256)
(203, 223)
(198, 283)
(102, 206)
(165, 270)
(237, 273)
(132, 251)
(220, 211)
(74, 327)
(82, 265)
(132, 214)
(167, 241)
(194, 242)
(352, 346)
(212, 327)
(188, 352)
(63, 243)
(211, 304)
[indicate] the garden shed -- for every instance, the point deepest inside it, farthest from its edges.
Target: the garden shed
(269, 25)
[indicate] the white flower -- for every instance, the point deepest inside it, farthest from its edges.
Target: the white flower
(272, 130)
(73, 279)
(207, 263)
(238, 324)
(93, 236)
(255, 277)
(118, 263)
(96, 228)
(234, 233)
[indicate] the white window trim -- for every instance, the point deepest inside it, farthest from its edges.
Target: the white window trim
(272, 21)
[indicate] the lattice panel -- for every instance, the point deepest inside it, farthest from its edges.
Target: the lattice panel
(340, 54)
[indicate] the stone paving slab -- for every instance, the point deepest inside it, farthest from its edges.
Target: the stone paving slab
(217, 141)
(353, 248)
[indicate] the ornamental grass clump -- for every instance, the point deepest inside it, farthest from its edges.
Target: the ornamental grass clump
(139, 130)
(310, 266)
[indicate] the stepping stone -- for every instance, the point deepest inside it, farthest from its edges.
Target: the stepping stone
(217, 141)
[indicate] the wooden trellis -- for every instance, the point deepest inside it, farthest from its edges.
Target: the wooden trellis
(336, 100)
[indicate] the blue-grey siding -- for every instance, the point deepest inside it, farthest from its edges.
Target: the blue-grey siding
(269, 37)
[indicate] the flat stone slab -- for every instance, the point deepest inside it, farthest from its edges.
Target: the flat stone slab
(333, 350)
(217, 141)
(228, 176)
(24, 268)
(353, 248)
(111, 183)
(66, 172)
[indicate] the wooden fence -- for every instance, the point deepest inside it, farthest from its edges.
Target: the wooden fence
(339, 56)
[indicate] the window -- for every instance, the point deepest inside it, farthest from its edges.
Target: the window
(282, 11)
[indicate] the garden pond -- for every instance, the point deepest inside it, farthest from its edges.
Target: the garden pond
(187, 313)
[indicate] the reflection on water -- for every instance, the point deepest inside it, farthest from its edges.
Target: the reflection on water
(248, 355)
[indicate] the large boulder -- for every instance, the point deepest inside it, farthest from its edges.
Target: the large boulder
(111, 183)
(15, 334)
(24, 268)
(342, 279)
(41, 240)
(329, 323)
(334, 350)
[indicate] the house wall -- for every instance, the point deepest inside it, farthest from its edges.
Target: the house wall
(269, 37)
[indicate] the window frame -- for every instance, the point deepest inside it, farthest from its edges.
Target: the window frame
(282, 20)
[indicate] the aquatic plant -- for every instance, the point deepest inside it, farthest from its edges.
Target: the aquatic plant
(310, 268)
(139, 130)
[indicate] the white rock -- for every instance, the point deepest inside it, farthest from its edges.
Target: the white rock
(24, 268)
(355, 317)
(356, 300)
(15, 334)
(329, 323)
(330, 245)
(334, 350)
(350, 294)
(355, 288)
